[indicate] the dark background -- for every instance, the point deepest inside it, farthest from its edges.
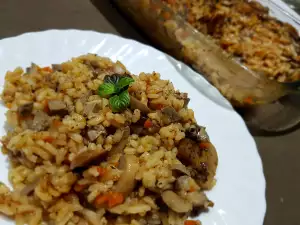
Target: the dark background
(280, 155)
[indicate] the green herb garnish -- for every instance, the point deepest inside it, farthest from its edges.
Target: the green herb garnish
(115, 87)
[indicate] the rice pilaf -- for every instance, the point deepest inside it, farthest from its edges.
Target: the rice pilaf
(75, 160)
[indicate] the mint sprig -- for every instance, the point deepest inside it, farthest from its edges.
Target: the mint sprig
(115, 87)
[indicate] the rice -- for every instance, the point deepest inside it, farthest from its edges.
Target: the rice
(73, 160)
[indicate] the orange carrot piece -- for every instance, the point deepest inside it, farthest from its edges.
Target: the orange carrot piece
(204, 145)
(148, 123)
(57, 123)
(115, 198)
(49, 139)
(101, 199)
(9, 105)
(249, 101)
(102, 171)
(79, 187)
(191, 222)
(47, 69)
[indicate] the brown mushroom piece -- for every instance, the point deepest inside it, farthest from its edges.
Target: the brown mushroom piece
(197, 133)
(95, 132)
(119, 147)
(32, 69)
(91, 107)
(57, 107)
(25, 110)
(40, 122)
(175, 202)
(57, 67)
(30, 187)
(181, 169)
(86, 157)
(169, 115)
(198, 198)
(127, 180)
(137, 104)
(204, 161)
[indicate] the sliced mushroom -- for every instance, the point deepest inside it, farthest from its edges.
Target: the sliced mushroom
(57, 67)
(136, 104)
(184, 97)
(91, 107)
(197, 133)
(181, 168)
(41, 121)
(176, 203)
(127, 180)
(57, 107)
(169, 115)
(25, 110)
(197, 198)
(201, 160)
(30, 187)
(32, 69)
(86, 157)
(119, 147)
(95, 132)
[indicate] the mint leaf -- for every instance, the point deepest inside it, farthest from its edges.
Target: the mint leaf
(106, 89)
(121, 102)
(124, 82)
(113, 79)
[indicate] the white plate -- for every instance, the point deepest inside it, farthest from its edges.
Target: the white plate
(239, 195)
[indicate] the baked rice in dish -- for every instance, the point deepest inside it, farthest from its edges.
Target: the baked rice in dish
(78, 156)
(245, 29)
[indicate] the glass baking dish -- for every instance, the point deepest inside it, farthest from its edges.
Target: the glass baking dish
(172, 32)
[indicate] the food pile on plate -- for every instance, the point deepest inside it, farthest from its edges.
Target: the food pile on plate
(90, 143)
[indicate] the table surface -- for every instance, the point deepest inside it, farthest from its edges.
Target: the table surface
(279, 154)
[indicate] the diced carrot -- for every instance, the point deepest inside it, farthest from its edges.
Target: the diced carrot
(101, 199)
(57, 123)
(204, 145)
(46, 108)
(115, 198)
(167, 15)
(249, 101)
(79, 187)
(102, 171)
(9, 105)
(47, 69)
(48, 139)
(148, 123)
(192, 189)
(171, 2)
(191, 222)
(159, 106)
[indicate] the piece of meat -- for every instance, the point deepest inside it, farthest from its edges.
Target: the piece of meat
(57, 107)
(41, 121)
(137, 104)
(95, 132)
(91, 107)
(25, 110)
(197, 133)
(204, 161)
(86, 157)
